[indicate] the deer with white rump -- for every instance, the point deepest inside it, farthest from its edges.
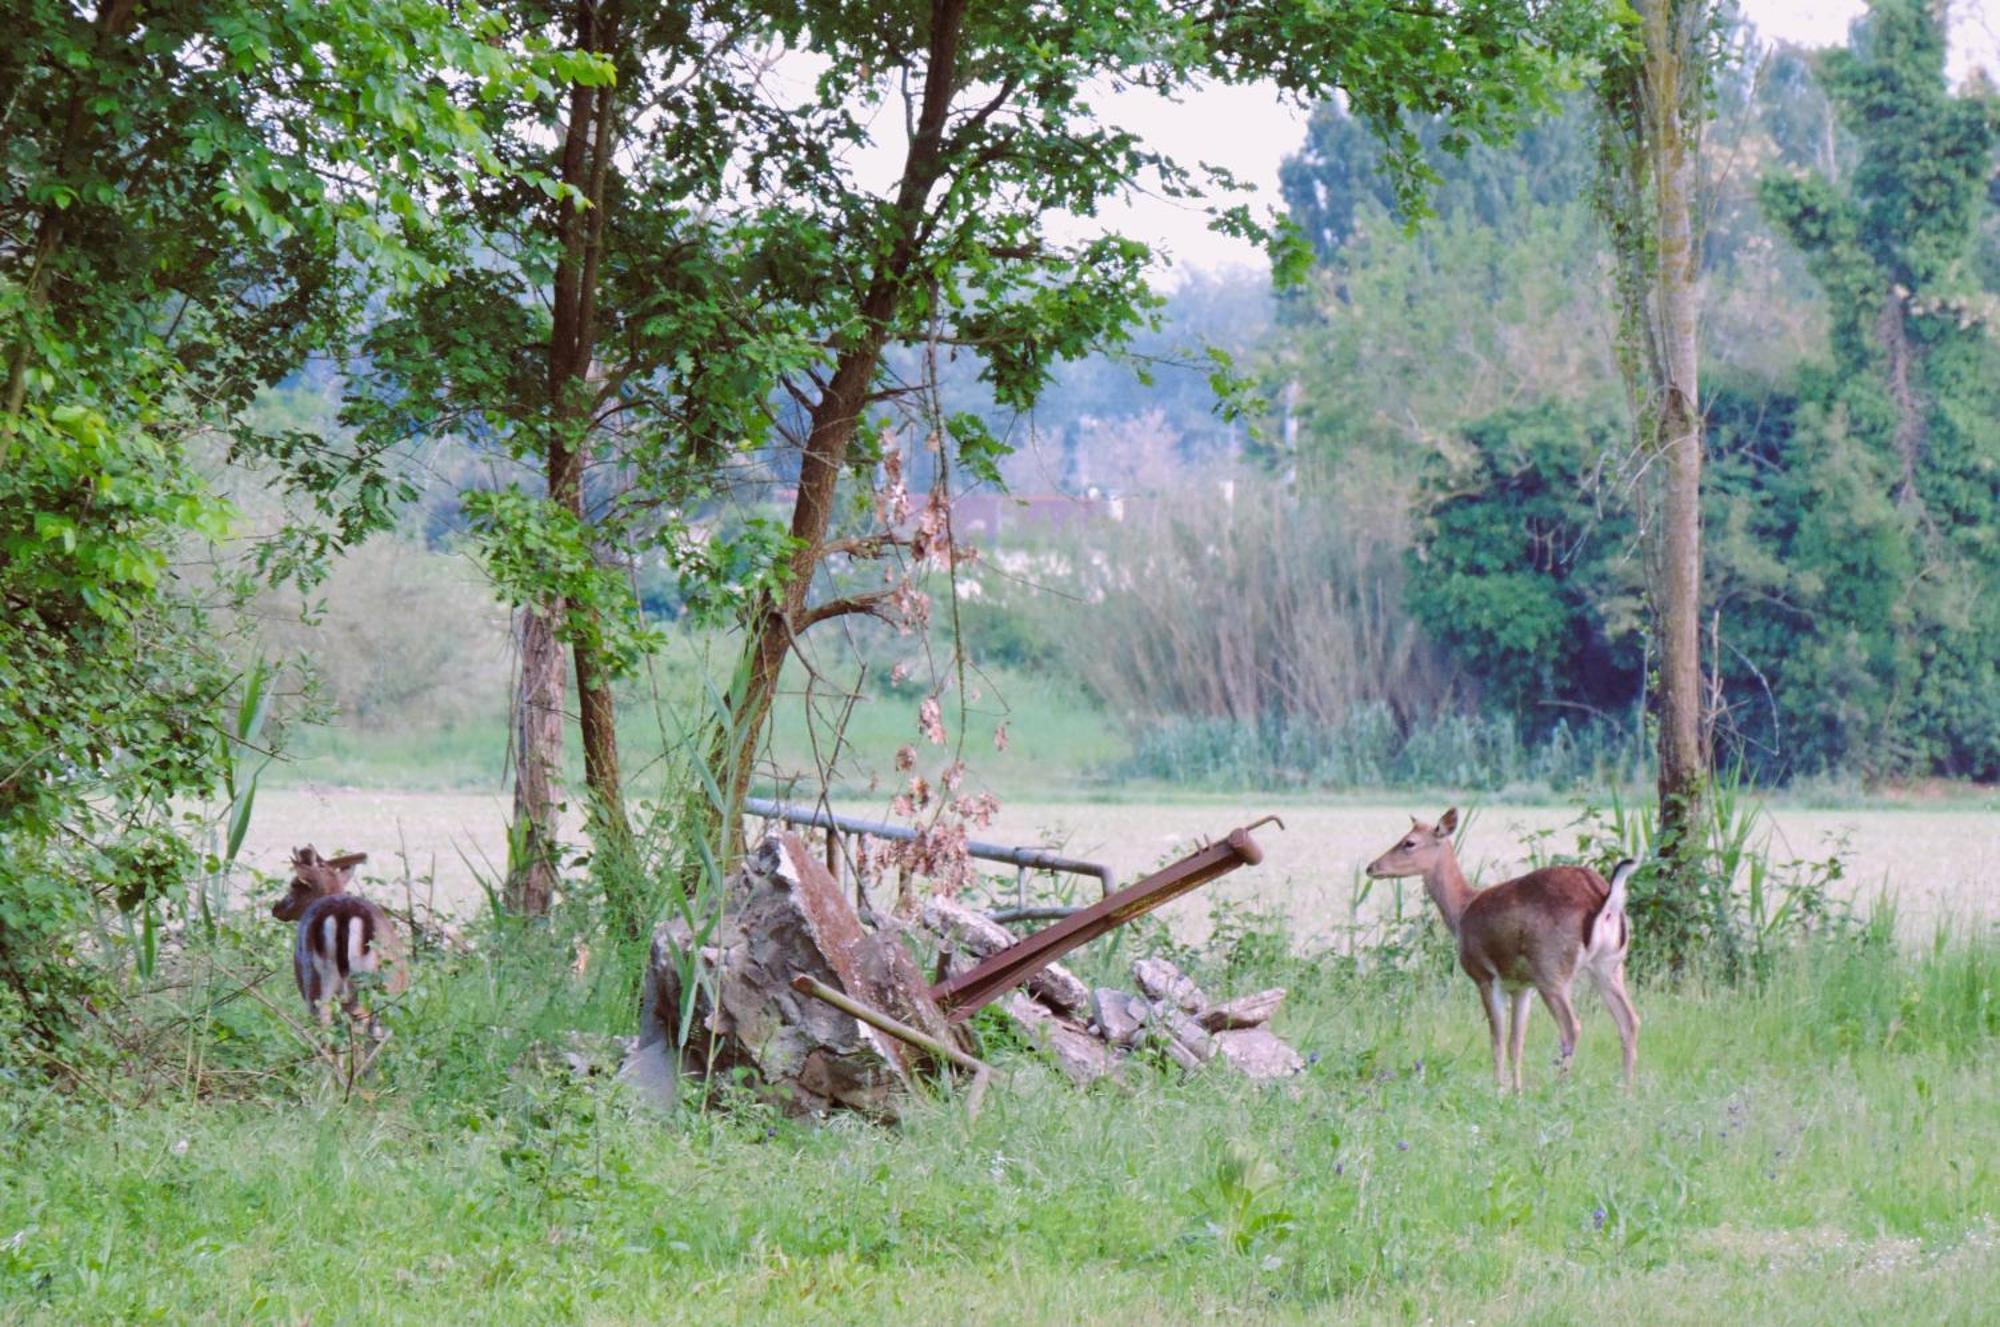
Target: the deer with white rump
(1527, 935)
(339, 935)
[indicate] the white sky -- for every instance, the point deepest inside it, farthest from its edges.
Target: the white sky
(1249, 131)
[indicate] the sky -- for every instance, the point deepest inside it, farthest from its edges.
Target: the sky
(1249, 130)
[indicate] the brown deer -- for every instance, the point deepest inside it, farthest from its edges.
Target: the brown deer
(1534, 933)
(339, 935)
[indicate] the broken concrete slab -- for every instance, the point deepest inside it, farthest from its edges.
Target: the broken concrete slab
(1118, 1018)
(784, 916)
(1082, 1058)
(969, 936)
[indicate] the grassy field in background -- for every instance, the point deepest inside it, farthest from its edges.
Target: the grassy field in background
(1055, 739)
(1822, 1149)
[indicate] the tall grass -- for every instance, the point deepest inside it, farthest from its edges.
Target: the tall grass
(1370, 748)
(1736, 907)
(1234, 602)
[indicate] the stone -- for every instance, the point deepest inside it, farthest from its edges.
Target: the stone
(1256, 1053)
(964, 929)
(1181, 1030)
(1062, 990)
(1117, 1017)
(1161, 980)
(970, 936)
(1245, 1011)
(1082, 1058)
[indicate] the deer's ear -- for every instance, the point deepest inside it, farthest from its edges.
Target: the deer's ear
(306, 856)
(1448, 822)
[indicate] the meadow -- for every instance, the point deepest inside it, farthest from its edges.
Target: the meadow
(1819, 1147)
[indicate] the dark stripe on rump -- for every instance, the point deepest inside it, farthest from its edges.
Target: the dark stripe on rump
(347, 913)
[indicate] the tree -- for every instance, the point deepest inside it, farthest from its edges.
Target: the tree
(197, 196)
(999, 141)
(1517, 569)
(598, 330)
(1654, 97)
(1891, 606)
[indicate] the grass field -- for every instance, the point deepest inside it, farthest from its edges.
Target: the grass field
(1823, 1149)
(1816, 1146)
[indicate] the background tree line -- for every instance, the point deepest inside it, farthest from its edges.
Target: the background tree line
(1457, 412)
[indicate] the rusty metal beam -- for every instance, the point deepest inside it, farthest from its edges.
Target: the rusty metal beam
(962, 995)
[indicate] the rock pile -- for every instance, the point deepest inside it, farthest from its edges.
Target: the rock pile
(785, 916)
(1089, 1031)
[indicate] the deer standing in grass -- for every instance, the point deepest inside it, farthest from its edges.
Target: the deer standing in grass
(1527, 935)
(339, 935)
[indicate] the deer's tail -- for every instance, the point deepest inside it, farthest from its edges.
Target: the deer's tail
(1610, 932)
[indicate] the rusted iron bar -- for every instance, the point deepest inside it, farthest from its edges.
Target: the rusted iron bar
(1039, 859)
(962, 995)
(982, 1073)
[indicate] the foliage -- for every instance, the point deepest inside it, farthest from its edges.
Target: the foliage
(1370, 749)
(1520, 569)
(1731, 912)
(974, 252)
(196, 199)
(1889, 606)
(1232, 601)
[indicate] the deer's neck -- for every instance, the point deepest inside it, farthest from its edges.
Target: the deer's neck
(1445, 883)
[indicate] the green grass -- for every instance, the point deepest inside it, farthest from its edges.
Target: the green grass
(1056, 740)
(1822, 1149)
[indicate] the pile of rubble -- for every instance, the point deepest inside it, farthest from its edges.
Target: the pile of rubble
(1089, 1032)
(786, 917)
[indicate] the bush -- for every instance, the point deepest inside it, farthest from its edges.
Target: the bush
(1740, 909)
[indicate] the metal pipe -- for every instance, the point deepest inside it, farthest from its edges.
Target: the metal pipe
(960, 996)
(1040, 859)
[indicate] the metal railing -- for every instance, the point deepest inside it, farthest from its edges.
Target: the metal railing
(1022, 859)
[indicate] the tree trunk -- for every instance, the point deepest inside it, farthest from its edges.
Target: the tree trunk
(584, 165)
(538, 739)
(734, 742)
(1671, 46)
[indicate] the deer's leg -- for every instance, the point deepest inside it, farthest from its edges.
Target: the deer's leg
(1611, 985)
(1495, 1001)
(1557, 999)
(1520, 1031)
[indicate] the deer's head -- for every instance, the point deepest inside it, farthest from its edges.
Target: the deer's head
(313, 877)
(1417, 851)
